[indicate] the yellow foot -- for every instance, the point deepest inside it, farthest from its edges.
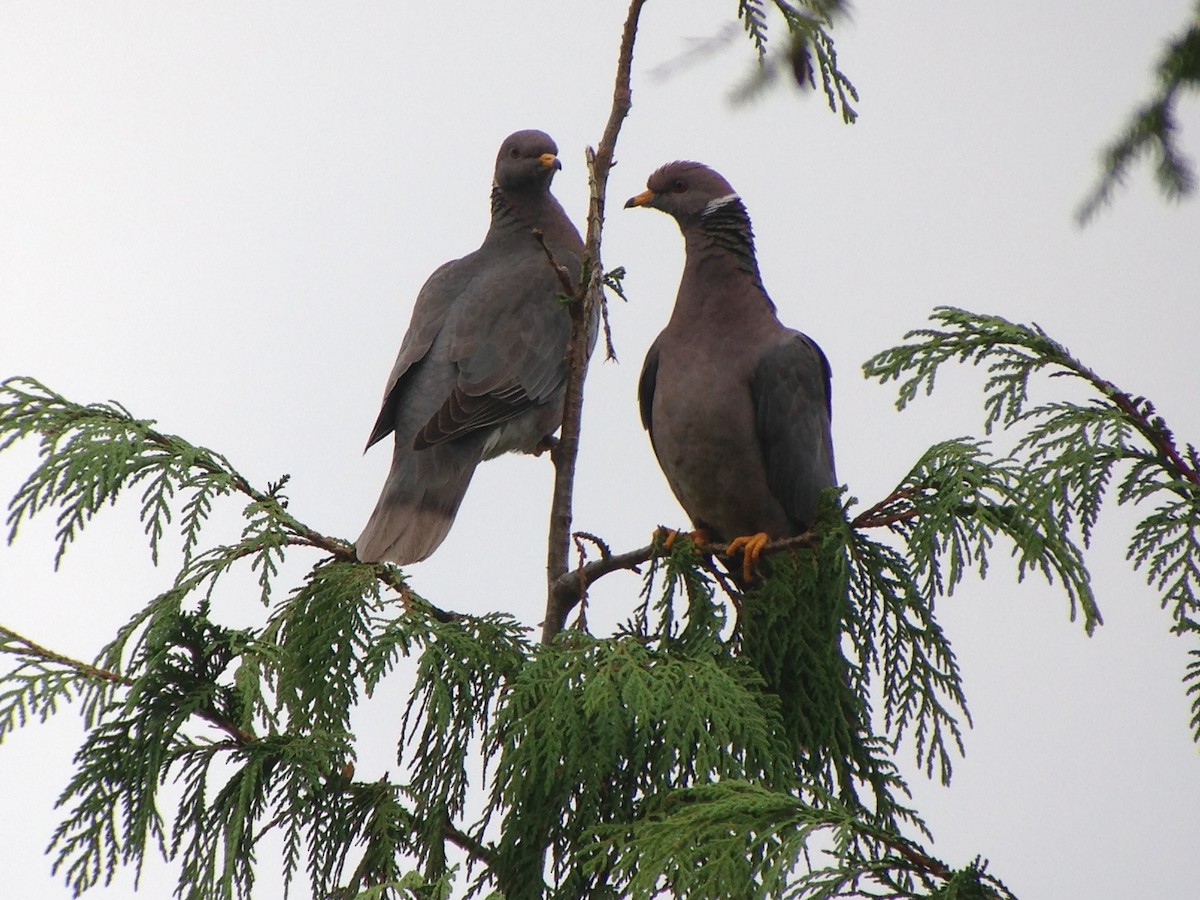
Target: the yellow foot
(750, 546)
(668, 536)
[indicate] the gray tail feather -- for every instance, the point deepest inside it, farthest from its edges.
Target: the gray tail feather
(417, 506)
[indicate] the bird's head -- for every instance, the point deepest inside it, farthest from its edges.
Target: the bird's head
(527, 160)
(685, 190)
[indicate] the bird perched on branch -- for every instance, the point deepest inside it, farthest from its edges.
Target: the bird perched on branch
(482, 369)
(737, 404)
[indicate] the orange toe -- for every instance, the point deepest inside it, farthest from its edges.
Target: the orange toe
(699, 537)
(750, 546)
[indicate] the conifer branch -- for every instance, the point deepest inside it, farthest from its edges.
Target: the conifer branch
(682, 753)
(1142, 414)
(31, 650)
(1068, 454)
(571, 587)
(475, 849)
(810, 51)
(1152, 129)
(878, 516)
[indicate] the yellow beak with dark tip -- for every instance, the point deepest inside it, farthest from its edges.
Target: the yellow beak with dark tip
(640, 200)
(549, 161)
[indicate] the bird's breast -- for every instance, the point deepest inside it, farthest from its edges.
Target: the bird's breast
(704, 435)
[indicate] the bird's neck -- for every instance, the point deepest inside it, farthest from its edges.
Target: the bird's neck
(517, 213)
(720, 254)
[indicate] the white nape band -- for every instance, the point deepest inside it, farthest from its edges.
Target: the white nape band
(716, 204)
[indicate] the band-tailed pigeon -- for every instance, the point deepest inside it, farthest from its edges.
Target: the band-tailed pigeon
(482, 370)
(736, 403)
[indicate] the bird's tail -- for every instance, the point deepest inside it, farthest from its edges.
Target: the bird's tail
(419, 502)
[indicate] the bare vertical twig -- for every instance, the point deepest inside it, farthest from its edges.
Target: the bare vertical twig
(583, 312)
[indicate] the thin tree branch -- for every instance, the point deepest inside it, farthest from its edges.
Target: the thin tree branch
(571, 587)
(1154, 430)
(600, 161)
(239, 735)
(473, 848)
(875, 517)
(392, 577)
(882, 521)
(304, 536)
(924, 863)
(564, 276)
(34, 650)
(37, 651)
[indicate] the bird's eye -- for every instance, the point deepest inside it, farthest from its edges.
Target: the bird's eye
(679, 186)
(514, 153)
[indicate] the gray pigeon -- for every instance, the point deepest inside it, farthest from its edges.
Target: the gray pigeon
(482, 370)
(736, 403)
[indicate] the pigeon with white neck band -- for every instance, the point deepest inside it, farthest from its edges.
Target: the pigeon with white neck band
(736, 403)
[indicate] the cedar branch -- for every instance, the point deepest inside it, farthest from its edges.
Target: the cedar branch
(571, 587)
(34, 650)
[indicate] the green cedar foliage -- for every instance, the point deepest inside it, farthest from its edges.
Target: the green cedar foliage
(809, 53)
(1152, 128)
(1069, 455)
(708, 748)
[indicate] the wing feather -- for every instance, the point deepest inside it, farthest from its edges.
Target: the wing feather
(646, 385)
(429, 315)
(790, 388)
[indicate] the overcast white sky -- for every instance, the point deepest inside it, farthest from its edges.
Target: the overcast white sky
(219, 214)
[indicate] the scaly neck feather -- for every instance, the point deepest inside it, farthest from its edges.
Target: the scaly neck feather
(724, 231)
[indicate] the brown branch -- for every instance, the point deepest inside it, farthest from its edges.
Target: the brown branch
(875, 517)
(600, 161)
(30, 648)
(393, 578)
(341, 550)
(903, 515)
(1153, 430)
(473, 848)
(922, 862)
(37, 651)
(215, 464)
(610, 351)
(240, 735)
(304, 536)
(570, 588)
(564, 276)
(1139, 410)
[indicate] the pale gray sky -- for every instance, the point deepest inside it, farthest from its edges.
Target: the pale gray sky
(220, 214)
